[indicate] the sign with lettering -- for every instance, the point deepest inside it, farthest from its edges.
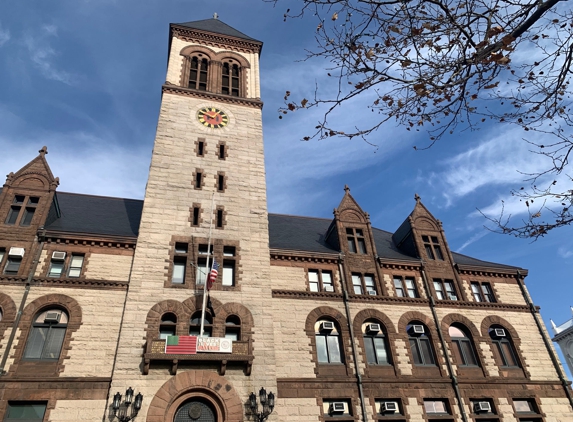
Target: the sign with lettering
(214, 345)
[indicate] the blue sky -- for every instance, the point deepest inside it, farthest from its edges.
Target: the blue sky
(83, 77)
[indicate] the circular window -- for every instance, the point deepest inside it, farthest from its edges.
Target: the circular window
(195, 411)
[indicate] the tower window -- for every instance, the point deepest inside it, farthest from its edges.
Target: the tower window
(179, 263)
(198, 179)
(198, 73)
(221, 182)
(200, 147)
(220, 217)
(196, 215)
(222, 151)
(230, 79)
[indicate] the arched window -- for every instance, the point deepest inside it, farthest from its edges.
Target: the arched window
(327, 335)
(195, 325)
(233, 328)
(463, 347)
(420, 344)
(375, 343)
(47, 335)
(230, 79)
(168, 325)
(195, 410)
(503, 346)
(198, 73)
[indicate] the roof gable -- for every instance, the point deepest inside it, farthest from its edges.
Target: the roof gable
(216, 26)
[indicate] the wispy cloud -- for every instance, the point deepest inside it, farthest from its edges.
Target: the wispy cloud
(43, 55)
(4, 36)
(565, 252)
(473, 239)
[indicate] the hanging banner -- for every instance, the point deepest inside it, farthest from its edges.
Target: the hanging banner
(214, 345)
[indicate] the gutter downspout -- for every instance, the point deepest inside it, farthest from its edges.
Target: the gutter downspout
(444, 347)
(554, 360)
(354, 352)
(40, 236)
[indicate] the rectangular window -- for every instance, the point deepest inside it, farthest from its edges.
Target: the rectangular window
(482, 292)
(26, 213)
(201, 274)
(445, 289)
(369, 285)
(13, 265)
(357, 284)
(436, 407)
(56, 268)
(222, 151)
(76, 264)
(200, 148)
(364, 284)
(320, 280)
(405, 286)
(179, 263)
(432, 247)
(228, 273)
(25, 411)
(2, 254)
(198, 180)
(220, 218)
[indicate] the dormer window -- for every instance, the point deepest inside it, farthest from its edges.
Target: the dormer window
(432, 246)
(23, 209)
(356, 243)
(198, 73)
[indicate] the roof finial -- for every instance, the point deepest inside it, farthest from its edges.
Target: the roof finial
(346, 189)
(553, 326)
(417, 198)
(215, 15)
(43, 151)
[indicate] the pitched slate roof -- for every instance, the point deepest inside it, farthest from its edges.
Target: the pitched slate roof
(101, 215)
(98, 215)
(217, 26)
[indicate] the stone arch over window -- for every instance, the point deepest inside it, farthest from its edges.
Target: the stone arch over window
(156, 315)
(389, 333)
(197, 70)
(313, 321)
(242, 313)
(7, 314)
(409, 318)
(202, 386)
(233, 79)
(476, 339)
(519, 370)
(52, 301)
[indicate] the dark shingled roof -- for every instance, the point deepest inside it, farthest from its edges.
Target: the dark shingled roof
(97, 215)
(102, 215)
(217, 26)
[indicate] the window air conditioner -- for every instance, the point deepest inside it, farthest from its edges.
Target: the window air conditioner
(58, 256)
(418, 329)
(482, 406)
(372, 292)
(373, 328)
(337, 407)
(16, 252)
(52, 317)
(328, 288)
(327, 326)
(388, 406)
(499, 332)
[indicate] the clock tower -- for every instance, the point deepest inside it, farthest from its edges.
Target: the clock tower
(206, 186)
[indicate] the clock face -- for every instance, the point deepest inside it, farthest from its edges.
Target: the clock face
(212, 117)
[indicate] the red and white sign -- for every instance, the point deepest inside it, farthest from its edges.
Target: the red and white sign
(214, 345)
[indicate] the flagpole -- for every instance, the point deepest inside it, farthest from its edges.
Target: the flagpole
(207, 272)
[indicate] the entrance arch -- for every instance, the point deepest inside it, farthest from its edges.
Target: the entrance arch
(210, 392)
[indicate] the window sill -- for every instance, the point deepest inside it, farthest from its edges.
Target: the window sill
(242, 352)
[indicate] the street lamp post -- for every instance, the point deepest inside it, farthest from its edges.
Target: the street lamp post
(267, 401)
(121, 411)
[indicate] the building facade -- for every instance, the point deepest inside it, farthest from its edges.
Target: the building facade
(563, 336)
(341, 320)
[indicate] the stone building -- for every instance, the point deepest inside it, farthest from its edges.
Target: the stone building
(564, 338)
(341, 320)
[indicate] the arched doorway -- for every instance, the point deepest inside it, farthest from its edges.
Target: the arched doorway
(195, 410)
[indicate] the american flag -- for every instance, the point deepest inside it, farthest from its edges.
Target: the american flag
(213, 275)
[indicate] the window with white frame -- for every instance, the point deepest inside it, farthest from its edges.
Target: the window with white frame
(46, 335)
(405, 286)
(328, 342)
(445, 289)
(320, 280)
(482, 292)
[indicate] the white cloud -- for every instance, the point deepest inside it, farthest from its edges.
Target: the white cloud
(473, 239)
(564, 252)
(4, 36)
(42, 55)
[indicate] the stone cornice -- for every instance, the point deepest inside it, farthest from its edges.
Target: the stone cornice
(87, 239)
(490, 271)
(300, 294)
(65, 282)
(302, 256)
(213, 39)
(229, 99)
(400, 265)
